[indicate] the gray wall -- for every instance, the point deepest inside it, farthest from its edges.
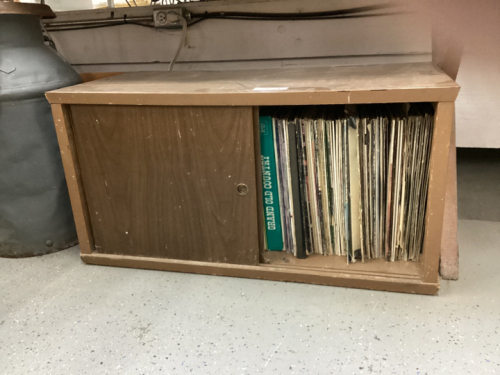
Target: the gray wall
(226, 44)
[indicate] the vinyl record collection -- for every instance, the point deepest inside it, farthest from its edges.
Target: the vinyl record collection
(349, 181)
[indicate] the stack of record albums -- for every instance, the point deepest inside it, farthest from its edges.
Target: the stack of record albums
(346, 180)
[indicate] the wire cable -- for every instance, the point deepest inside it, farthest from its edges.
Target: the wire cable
(246, 16)
(69, 28)
(256, 15)
(195, 22)
(299, 19)
(182, 42)
(87, 27)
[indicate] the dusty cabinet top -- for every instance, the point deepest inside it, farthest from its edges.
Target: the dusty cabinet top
(286, 86)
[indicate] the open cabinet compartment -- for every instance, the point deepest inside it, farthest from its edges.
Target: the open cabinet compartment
(116, 137)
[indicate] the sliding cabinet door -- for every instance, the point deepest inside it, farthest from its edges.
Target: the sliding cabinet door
(170, 182)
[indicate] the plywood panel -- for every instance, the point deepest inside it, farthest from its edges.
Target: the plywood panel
(254, 64)
(87, 77)
(477, 105)
(475, 27)
(161, 182)
(306, 85)
(222, 40)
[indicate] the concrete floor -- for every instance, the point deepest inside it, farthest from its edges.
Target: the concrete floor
(60, 316)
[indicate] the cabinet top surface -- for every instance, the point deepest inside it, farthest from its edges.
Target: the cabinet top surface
(286, 86)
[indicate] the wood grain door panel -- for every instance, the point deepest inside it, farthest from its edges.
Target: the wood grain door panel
(162, 181)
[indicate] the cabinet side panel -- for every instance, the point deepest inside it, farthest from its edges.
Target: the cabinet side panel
(69, 156)
(162, 181)
(445, 112)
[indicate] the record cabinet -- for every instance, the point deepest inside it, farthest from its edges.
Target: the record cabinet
(163, 169)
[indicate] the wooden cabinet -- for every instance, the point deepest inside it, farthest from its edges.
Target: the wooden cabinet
(163, 168)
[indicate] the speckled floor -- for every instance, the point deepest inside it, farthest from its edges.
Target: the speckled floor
(59, 316)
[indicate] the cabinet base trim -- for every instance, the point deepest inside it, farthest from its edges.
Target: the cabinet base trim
(268, 272)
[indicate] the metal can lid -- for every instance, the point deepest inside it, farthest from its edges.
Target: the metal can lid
(39, 10)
